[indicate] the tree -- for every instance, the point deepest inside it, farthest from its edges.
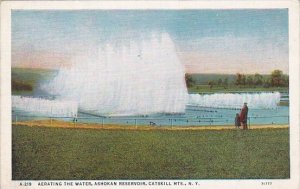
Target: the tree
(189, 80)
(276, 78)
(243, 79)
(285, 80)
(220, 81)
(267, 82)
(211, 84)
(17, 85)
(249, 80)
(258, 79)
(238, 79)
(225, 83)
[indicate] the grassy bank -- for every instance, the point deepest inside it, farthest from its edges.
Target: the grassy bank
(69, 124)
(57, 153)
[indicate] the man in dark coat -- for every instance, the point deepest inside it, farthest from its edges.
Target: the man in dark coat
(243, 116)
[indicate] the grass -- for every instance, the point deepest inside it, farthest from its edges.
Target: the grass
(56, 153)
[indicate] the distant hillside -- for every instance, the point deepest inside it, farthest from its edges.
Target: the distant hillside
(201, 79)
(27, 79)
(31, 76)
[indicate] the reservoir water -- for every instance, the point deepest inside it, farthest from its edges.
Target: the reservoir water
(194, 115)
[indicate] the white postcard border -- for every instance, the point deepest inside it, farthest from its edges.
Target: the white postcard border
(293, 9)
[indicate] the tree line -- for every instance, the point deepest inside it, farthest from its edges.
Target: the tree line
(275, 79)
(17, 85)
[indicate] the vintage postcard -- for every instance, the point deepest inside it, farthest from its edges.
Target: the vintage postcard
(150, 94)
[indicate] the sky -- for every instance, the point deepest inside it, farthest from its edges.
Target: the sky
(206, 41)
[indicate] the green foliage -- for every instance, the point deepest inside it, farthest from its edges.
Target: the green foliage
(20, 86)
(54, 153)
(26, 79)
(203, 79)
(238, 80)
(225, 82)
(278, 79)
(211, 84)
(285, 80)
(258, 79)
(267, 83)
(220, 82)
(234, 88)
(249, 80)
(31, 76)
(189, 80)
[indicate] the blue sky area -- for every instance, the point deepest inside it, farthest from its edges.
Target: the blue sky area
(207, 41)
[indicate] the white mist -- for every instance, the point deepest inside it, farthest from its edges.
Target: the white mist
(137, 78)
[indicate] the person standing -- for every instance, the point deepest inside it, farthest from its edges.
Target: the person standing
(237, 121)
(243, 116)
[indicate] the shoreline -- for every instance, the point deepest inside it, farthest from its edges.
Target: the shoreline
(71, 125)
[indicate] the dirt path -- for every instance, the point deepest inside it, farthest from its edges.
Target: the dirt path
(64, 124)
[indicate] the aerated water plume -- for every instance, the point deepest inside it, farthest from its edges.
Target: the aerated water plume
(264, 100)
(44, 107)
(135, 78)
